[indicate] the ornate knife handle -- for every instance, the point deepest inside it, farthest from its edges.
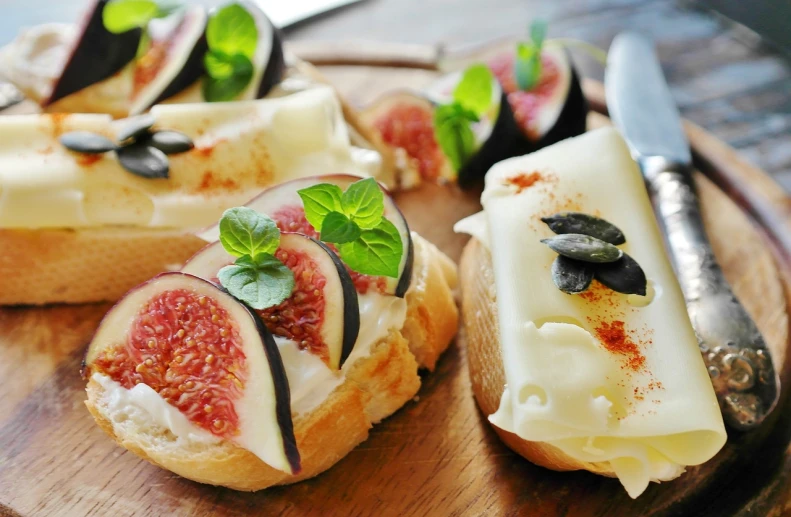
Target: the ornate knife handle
(740, 366)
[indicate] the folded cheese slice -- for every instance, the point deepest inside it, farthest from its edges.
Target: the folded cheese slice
(604, 377)
(240, 148)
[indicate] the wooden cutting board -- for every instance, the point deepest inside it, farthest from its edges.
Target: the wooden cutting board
(437, 455)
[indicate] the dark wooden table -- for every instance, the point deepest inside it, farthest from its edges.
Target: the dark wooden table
(723, 78)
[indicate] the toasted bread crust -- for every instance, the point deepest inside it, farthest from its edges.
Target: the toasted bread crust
(375, 387)
(86, 265)
(480, 334)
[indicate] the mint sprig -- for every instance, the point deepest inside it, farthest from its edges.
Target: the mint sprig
(527, 65)
(472, 99)
(354, 221)
(232, 38)
(120, 16)
(257, 278)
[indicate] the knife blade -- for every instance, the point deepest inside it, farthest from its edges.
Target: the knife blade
(735, 353)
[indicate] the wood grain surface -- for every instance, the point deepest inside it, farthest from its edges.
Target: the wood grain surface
(437, 455)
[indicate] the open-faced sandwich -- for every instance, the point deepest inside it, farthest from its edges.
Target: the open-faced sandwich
(270, 355)
(580, 349)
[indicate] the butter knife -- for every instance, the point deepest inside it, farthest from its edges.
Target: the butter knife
(735, 353)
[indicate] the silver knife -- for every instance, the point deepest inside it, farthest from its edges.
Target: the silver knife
(641, 106)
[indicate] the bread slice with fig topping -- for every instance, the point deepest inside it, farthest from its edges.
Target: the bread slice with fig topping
(375, 386)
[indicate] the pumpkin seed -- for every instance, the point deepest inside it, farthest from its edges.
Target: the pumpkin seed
(171, 142)
(576, 222)
(624, 276)
(583, 247)
(571, 276)
(135, 127)
(144, 160)
(87, 143)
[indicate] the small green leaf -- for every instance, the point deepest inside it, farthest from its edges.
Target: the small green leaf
(377, 252)
(319, 200)
(364, 203)
(538, 32)
(339, 229)
(243, 231)
(474, 90)
(232, 30)
(454, 134)
(234, 73)
(124, 15)
(261, 283)
(527, 65)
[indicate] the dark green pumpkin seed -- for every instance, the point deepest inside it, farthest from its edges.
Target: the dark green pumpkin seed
(583, 247)
(144, 160)
(571, 276)
(134, 127)
(576, 222)
(624, 276)
(171, 142)
(87, 143)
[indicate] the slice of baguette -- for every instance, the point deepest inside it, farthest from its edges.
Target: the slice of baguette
(374, 388)
(86, 265)
(480, 333)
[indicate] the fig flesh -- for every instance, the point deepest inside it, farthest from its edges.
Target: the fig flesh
(205, 354)
(174, 60)
(321, 315)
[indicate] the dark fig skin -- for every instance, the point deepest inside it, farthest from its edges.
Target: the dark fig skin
(507, 139)
(406, 275)
(573, 117)
(275, 66)
(97, 55)
(282, 392)
(190, 72)
(351, 309)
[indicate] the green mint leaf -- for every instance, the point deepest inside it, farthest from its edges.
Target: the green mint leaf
(232, 30)
(261, 282)
(527, 66)
(538, 32)
(319, 200)
(234, 73)
(364, 203)
(377, 252)
(124, 15)
(454, 134)
(243, 231)
(339, 229)
(168, 7)
(474, 90)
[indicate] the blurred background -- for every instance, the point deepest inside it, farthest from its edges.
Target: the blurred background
(727, 61)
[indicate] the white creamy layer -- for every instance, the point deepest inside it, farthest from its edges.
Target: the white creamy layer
(310, 380)
(240, 148)
(563, 386)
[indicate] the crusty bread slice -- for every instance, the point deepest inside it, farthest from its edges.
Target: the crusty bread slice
(374, 388)
(480, 334)
(86, 265)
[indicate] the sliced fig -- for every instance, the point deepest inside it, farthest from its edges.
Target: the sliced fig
(97, 54)
(174, 60)
(283, 204)
(322, 315)
(553, 110)
(205, 354)
(497, 134)
(269, 63)
(405, 120)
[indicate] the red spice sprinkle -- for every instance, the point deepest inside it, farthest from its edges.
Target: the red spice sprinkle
(614, 338)
(88, 159)
(524, 180)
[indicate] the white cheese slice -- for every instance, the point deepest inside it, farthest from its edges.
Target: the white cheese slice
(646, 414)
(240, 148)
